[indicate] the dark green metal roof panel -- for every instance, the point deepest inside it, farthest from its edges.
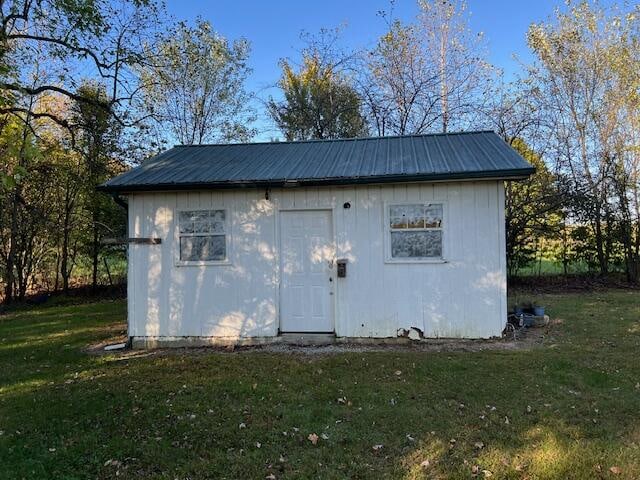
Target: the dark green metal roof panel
(454, 156)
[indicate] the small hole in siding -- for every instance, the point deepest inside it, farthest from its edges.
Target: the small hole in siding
(347, 205)
(363, 324)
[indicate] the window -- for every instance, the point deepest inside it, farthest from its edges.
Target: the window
(203, 236)
(416, 231)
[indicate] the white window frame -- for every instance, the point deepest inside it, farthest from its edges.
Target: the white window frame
(387, 232)
(227, 234)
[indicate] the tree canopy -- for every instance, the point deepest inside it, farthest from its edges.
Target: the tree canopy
(319, 103)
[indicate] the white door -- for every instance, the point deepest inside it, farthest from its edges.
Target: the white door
(307, 256)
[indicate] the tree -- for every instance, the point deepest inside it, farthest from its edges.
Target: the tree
(99, 147)
(587, 95)
(398, 85)
(319, 103)
(195, 87)
(532, 210)
(76, 37)
(426, 76)
(457, 54)
(26, 206)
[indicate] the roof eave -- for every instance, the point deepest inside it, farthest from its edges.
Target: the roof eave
(511, 174)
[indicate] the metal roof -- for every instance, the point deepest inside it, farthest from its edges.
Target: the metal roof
(451, 156)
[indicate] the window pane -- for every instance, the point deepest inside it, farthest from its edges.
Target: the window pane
(201, 227)
(433, 215)
(206, 248)
(425, 244)
(415, 216)
(202, 221)
(217, 221)
(186, 222)
(398, 216)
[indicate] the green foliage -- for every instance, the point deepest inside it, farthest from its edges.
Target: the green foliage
(532, 210)
(99, 147)
(319, 103)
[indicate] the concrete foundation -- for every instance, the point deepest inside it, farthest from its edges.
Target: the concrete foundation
(286, 338)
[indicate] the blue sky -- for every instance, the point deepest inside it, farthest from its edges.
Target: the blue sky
(274, 27)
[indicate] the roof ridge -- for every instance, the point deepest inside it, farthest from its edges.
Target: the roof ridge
(329, 140)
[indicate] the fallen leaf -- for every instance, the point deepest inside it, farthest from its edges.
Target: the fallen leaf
(313, 438)
(271, 476)
(398, 372)
(425, 464)
(615, 470)
(410, 438)
(487, 473)
(377, 448)
(242, 425)
(324, 436)
(258, 444)
(478, 445)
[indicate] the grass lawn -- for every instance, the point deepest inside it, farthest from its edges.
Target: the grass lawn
(569, 408)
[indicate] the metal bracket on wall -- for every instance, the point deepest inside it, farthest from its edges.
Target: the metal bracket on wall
(145, 241)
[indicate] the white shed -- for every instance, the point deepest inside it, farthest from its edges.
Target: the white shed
(358, 238)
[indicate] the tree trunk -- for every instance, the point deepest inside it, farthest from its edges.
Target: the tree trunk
(94, 256)
(600, 247)
(11, 256)
(66, 231)
(64, 269)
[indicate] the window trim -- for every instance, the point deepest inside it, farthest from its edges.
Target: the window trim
(387, 232)
(227, 233)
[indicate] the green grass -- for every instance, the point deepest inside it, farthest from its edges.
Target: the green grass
(572, 404)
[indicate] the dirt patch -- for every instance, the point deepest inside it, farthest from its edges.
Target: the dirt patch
(522, 339)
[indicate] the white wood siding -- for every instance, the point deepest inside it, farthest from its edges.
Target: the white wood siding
(463, 297)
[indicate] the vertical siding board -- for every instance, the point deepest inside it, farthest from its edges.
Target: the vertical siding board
(483, 224)
(148, 327)
(132, 267)
(503, 258)
(360, 272)
(377, 230)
